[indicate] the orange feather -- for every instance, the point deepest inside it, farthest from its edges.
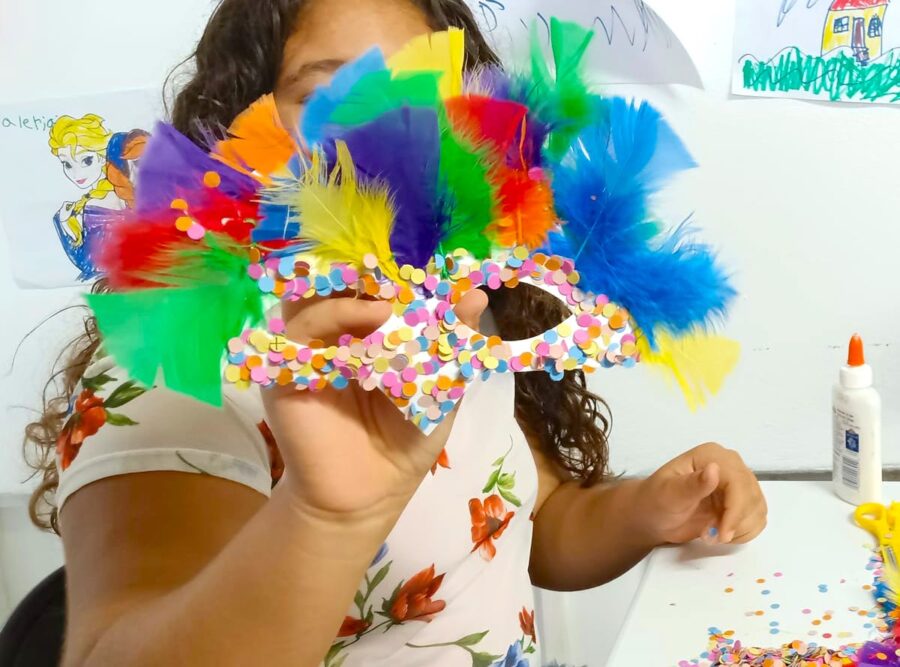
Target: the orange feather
(258, 144)
(527, 214)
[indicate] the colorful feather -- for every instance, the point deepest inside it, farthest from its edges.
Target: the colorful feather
(485, 120)
(666, 281)
(401, 150)
(527, 214)
(341, 219)
(258, 144)
(174, 166)
(441, 52)
(182, 330)
(326, 99)
(379, 93)
(525, 211)
(464, 186)
(698, 362)
(560, 100)
(136, 250)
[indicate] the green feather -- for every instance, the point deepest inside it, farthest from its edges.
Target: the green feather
(562, 98)
(473, 200)
(377, 93)
(182, 330)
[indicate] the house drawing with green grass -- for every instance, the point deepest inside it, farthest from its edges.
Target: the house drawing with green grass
(857, 25)
(831, 50)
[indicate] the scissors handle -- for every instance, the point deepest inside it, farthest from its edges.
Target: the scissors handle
(873, 517)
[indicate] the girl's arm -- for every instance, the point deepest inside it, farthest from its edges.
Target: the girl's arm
(182, 569)
(179, 569)
(585, 537)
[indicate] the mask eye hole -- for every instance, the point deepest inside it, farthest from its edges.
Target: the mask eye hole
(524, 312)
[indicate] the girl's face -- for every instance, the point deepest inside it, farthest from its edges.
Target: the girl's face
(331, 34)
(83, 168)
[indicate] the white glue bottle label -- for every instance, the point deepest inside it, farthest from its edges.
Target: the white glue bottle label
(856, 414)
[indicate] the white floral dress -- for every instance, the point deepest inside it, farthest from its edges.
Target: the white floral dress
(449, 587)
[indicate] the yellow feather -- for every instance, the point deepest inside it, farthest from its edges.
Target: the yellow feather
(344, 220)
(698, 362)
(438, 52)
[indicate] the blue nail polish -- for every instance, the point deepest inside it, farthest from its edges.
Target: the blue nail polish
(713, 532)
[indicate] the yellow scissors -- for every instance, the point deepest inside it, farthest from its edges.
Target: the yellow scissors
(884, 523)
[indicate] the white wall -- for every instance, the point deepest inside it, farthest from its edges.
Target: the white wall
(802, 198)
(52, 49)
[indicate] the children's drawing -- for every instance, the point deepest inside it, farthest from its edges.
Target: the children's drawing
(101, 164)
(833, 50)
(77, 162)
(633, 44)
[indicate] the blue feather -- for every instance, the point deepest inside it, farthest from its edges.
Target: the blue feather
(275, 224)
(602, 188)
(328, 98)
(402, 149)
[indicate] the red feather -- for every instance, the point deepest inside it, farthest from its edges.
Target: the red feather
(486, 120)
(527, 212)
(145, 244)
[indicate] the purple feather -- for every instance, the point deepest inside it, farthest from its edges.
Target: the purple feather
(402, 149)
(173, 166)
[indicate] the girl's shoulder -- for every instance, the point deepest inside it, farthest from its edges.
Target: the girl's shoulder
(116, 425)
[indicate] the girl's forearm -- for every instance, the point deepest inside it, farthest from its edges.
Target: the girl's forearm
(276, 595)
(587, 537)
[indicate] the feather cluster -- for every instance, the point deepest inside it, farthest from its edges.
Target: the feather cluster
(406, 159)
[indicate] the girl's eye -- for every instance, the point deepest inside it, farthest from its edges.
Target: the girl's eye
(67, 165)
(88, 161)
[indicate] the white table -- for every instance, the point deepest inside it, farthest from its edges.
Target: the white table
(811, 557)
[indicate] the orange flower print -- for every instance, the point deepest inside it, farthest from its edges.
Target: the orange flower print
(489, 520)
(91, 413)
(526, 622)
(88, 418)
(442, 460)
(275, 460)
(353, 626)
(413, 602)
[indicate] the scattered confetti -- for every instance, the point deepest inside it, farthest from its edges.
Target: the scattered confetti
(724, 649)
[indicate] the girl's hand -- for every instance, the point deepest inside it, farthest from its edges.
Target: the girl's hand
(351, 452)
(706, 493)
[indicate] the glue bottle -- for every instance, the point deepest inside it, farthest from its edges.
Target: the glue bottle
(856, 411)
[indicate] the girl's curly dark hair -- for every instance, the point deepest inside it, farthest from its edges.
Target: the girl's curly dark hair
(238, 60)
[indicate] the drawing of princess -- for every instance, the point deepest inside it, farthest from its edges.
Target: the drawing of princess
(103, 165)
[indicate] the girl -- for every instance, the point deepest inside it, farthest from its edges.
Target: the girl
(378, 546)
(81, 144)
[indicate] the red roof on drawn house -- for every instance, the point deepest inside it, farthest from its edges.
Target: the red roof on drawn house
(841, 5)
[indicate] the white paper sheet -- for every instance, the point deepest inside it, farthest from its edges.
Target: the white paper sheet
(633, 44)
(829, 50)
(40, 205)
(802, 579)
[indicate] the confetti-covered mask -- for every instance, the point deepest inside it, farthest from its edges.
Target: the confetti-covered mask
(419, 186)
(424, 357)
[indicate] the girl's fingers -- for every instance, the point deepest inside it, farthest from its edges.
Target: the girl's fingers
(471, 307)
(750, 528)
(328, 319)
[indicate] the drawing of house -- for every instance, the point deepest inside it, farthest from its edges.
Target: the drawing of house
(858, 25)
